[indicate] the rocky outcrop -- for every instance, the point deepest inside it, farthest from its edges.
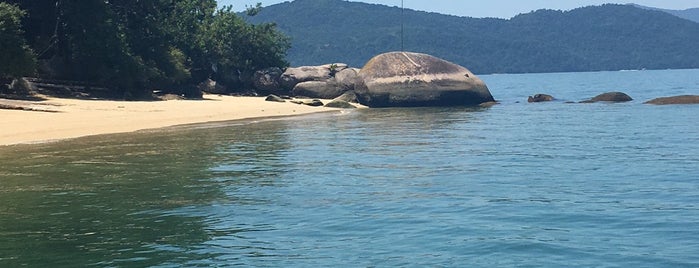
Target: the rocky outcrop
(404, 79)
(293, 76)
(610, 97)
(318, 89)
(346, 79)
(268, 80)
(540, 98)
(324, 82)
(684, 99)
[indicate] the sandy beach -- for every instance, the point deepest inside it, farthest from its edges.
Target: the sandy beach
(70, 118)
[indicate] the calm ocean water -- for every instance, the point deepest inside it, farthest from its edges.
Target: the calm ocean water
(518, 184)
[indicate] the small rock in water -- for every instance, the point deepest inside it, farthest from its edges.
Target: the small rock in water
(540, 98)
(685, 99)
(610, 97)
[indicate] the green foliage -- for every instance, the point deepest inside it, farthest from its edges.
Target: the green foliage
(134, 46)
(186, 24)
(238, 48)
(609, 37)
(16, 58)
(253, 10)
(97, 50)
(178, 68)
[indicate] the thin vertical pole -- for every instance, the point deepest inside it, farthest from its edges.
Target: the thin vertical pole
(402, 27)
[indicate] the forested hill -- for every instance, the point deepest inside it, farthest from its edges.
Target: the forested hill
(690, 14)
(608, 37)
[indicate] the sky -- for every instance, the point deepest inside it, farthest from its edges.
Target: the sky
(489, 8)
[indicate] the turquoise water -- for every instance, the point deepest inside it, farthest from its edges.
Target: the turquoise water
(518, 184)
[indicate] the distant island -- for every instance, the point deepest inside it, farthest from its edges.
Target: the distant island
(595, 38)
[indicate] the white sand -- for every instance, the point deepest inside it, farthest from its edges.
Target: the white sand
(79, 118)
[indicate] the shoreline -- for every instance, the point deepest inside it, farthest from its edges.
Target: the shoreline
(57, 119)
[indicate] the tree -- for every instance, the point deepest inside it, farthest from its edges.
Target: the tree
(134, 46)
(185, 24)
(96, 48)
(16, 58)
(239, 48)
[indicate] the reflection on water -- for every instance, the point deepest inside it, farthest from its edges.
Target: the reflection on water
(126, 199)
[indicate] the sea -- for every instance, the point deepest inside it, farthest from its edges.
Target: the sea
(519, 184)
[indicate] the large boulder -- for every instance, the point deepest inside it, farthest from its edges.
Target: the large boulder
(293, 76)
(268, 80)
(347, 78)
(610, 97)
(405, 79)
(318, 89)
(685, 99)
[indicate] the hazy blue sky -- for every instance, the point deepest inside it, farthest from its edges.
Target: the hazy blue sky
(490, 8)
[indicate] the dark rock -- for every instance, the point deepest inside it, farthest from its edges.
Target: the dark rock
(318, 89)
(313, 102)
(192, 92)
(348, 96)
(274, 98)
(540, 98)
(684, 99)
(404, 79)
(340, 104)
(213, 87)
(268, 80)
(610, 97)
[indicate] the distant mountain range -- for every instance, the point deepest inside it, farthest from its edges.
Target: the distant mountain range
(690, 14)
(607, 37)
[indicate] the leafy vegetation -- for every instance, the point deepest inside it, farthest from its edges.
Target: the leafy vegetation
(135, 46)
(16, 58)
(241, 48)
(608, 37)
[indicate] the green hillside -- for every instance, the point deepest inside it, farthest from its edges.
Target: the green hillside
(608, 37)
